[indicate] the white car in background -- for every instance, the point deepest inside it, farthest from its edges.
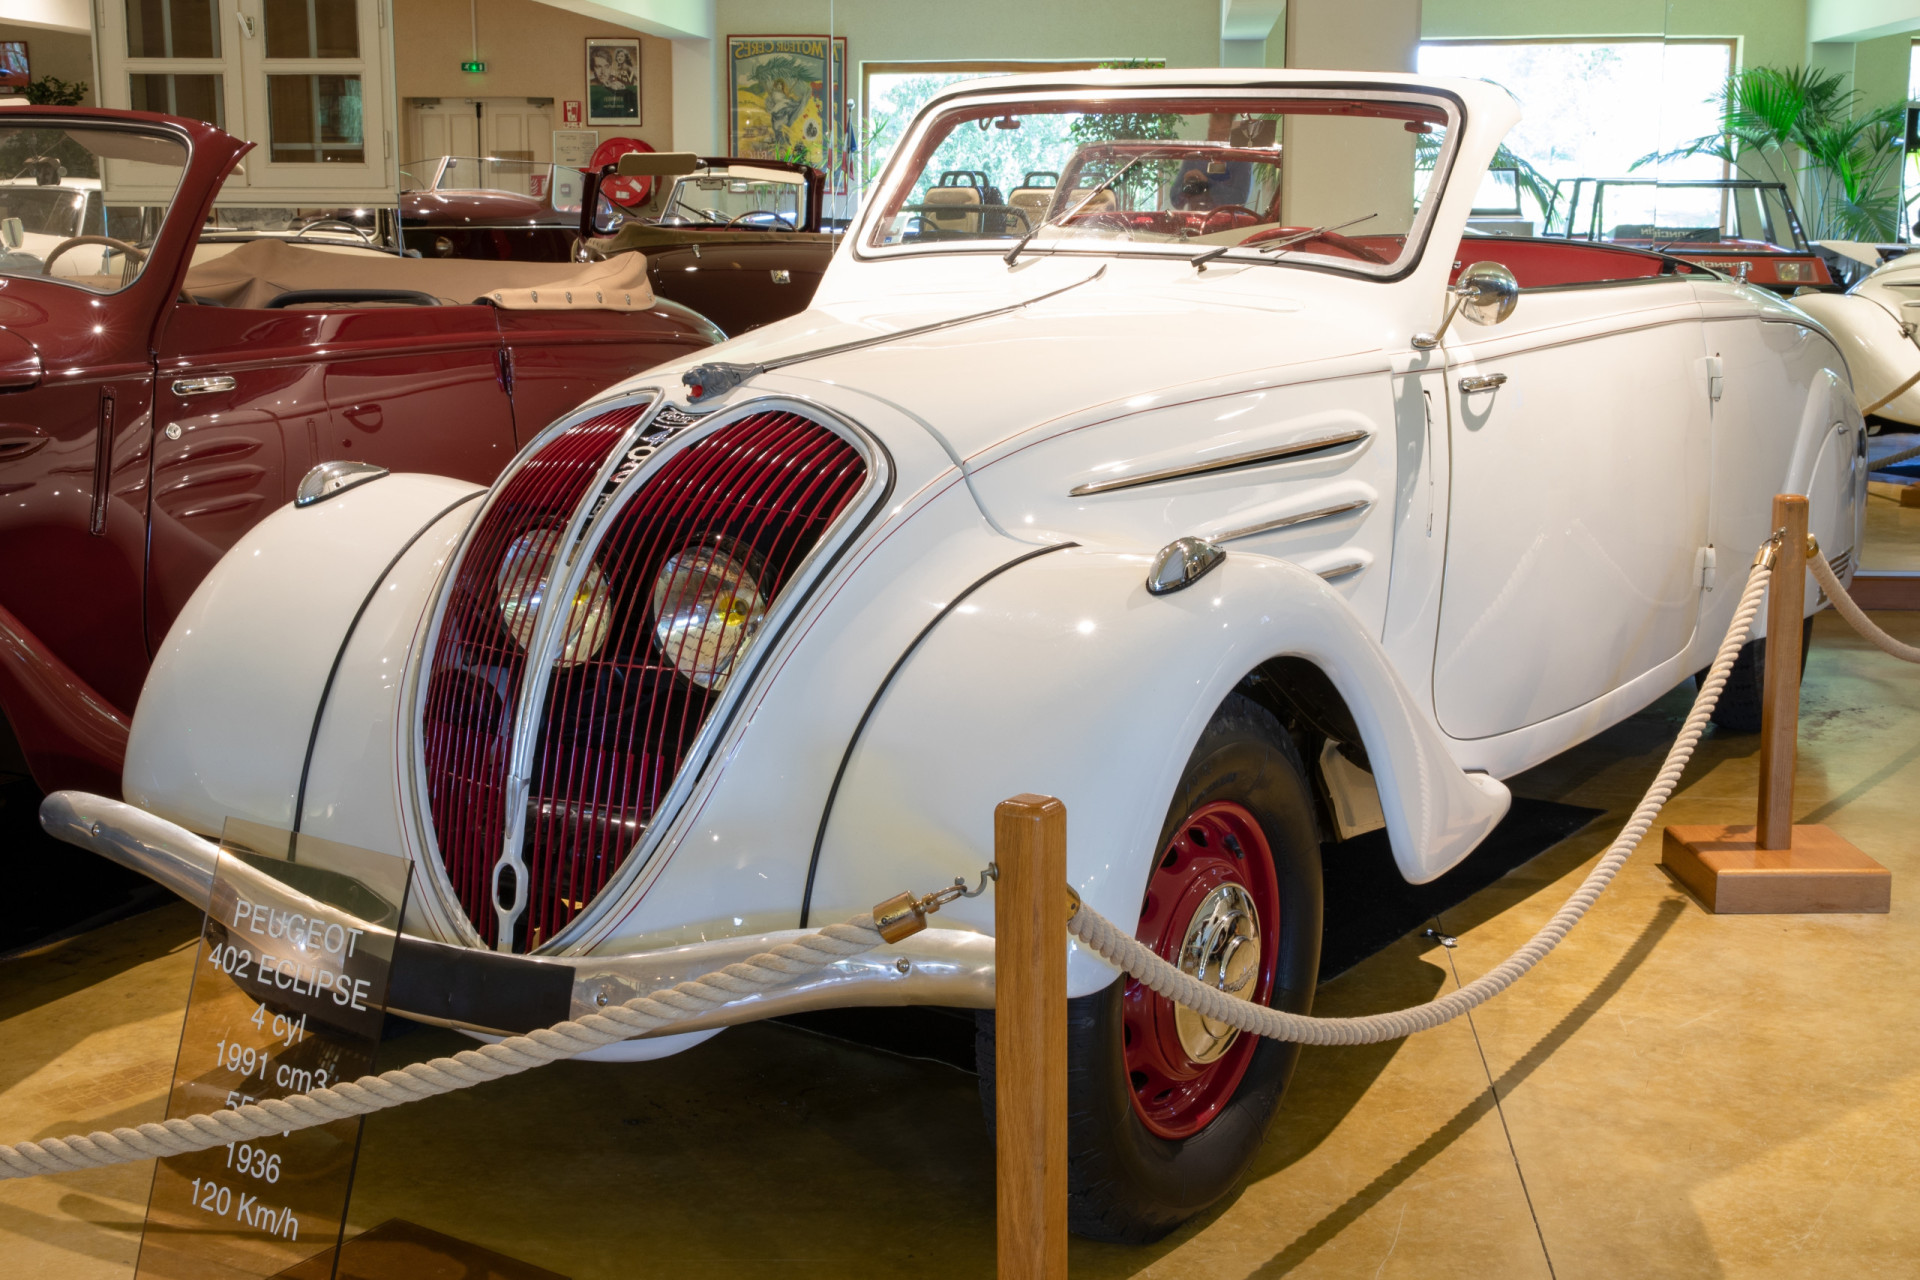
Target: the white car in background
(1178, 491)
(1875, 322)
(52, 209)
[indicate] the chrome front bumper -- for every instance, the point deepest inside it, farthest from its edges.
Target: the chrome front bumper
(509, 994)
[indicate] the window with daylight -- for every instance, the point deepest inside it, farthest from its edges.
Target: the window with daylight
(1594, 108)
(895, 92)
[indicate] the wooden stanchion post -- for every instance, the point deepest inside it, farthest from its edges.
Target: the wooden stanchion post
(1775, 867)
(1030, 1036)
(1780, 686)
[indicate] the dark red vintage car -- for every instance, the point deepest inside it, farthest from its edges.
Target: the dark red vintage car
(163, 387)
(483, 207)
(739, 241)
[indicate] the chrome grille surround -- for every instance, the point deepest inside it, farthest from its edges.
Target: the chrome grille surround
(591, 522)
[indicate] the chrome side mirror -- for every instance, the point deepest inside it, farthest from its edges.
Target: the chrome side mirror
(1486, 292)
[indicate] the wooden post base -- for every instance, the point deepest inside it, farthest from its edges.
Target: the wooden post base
(1820, 873)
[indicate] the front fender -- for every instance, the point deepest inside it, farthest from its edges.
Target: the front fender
(226, 718)
(1063, 676)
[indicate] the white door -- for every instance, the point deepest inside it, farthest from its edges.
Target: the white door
(517, 129)
(308, 81)
(1578, 505)
(442, 127)
(505, 128)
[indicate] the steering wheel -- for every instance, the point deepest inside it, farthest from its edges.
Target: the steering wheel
(1333, 239)
(761, 216)
(134, 252)
(1206, 223)
(312, 224)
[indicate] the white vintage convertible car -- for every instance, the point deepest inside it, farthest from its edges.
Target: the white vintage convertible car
(1239, 502)
(1874, 322)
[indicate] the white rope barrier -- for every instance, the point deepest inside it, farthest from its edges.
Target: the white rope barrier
(790, 960)
(824, 947)
(1124, 952)
(1893, 459)
(1843, 604)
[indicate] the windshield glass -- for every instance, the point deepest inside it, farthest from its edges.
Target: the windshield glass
(1286, 178)
(734, 197)
(1679, 214)
(83, 205)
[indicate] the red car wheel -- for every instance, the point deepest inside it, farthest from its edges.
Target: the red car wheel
(1210, 906)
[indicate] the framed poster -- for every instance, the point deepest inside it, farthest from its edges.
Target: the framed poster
(782, 95)
(13, 64)
(613, 81)
(840, 122)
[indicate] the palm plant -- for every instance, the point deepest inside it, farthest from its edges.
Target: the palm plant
(1532, 182)
(1799, 126)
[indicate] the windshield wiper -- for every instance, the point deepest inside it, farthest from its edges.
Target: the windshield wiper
(1200, 260)
(1013, 254)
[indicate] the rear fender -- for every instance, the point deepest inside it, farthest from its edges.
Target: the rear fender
(1063, 676)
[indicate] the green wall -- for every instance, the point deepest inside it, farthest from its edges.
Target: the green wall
(1769, 31)
(1184, 32)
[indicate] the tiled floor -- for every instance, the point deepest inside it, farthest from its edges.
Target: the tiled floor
(1893, 531)
(1670, 1094)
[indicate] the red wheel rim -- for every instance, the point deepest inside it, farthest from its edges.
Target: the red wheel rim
(1215, 869)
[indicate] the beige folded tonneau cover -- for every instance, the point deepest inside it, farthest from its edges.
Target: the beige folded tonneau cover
(257, 273)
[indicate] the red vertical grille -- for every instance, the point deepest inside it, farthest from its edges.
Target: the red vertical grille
(734, 515)
(474, 679)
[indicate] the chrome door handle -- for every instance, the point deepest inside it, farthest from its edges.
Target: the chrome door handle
(203, 386)
(1483, 382)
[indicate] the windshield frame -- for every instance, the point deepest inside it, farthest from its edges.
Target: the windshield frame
(153, 127)
(794, 185)
(915, 150)
(1798, 246)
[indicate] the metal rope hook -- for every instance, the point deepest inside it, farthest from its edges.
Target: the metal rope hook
(904, 915)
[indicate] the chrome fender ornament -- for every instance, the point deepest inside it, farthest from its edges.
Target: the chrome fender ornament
(1180, 564)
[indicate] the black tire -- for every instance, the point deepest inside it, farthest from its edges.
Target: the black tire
(1125, 1183)
(1738, 710)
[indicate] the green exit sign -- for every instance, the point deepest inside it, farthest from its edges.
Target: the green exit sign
(473, 66)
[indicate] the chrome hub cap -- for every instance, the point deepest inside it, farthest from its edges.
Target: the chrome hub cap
(1221, 949)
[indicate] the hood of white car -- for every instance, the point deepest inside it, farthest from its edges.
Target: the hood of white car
(1098, 351)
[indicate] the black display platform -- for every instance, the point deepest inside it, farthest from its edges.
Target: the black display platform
(56, 890)
(1369, 905)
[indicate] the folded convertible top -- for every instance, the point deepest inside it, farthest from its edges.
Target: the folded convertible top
(257, 272)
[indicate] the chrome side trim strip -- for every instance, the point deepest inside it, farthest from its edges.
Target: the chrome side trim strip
(1283, 522)
(1251, 458)
(1342, 570)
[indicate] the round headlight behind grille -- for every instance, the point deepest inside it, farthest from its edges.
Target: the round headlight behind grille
(706, 605)
(525, 572)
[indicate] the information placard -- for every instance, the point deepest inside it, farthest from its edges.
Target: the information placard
(288, 994)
